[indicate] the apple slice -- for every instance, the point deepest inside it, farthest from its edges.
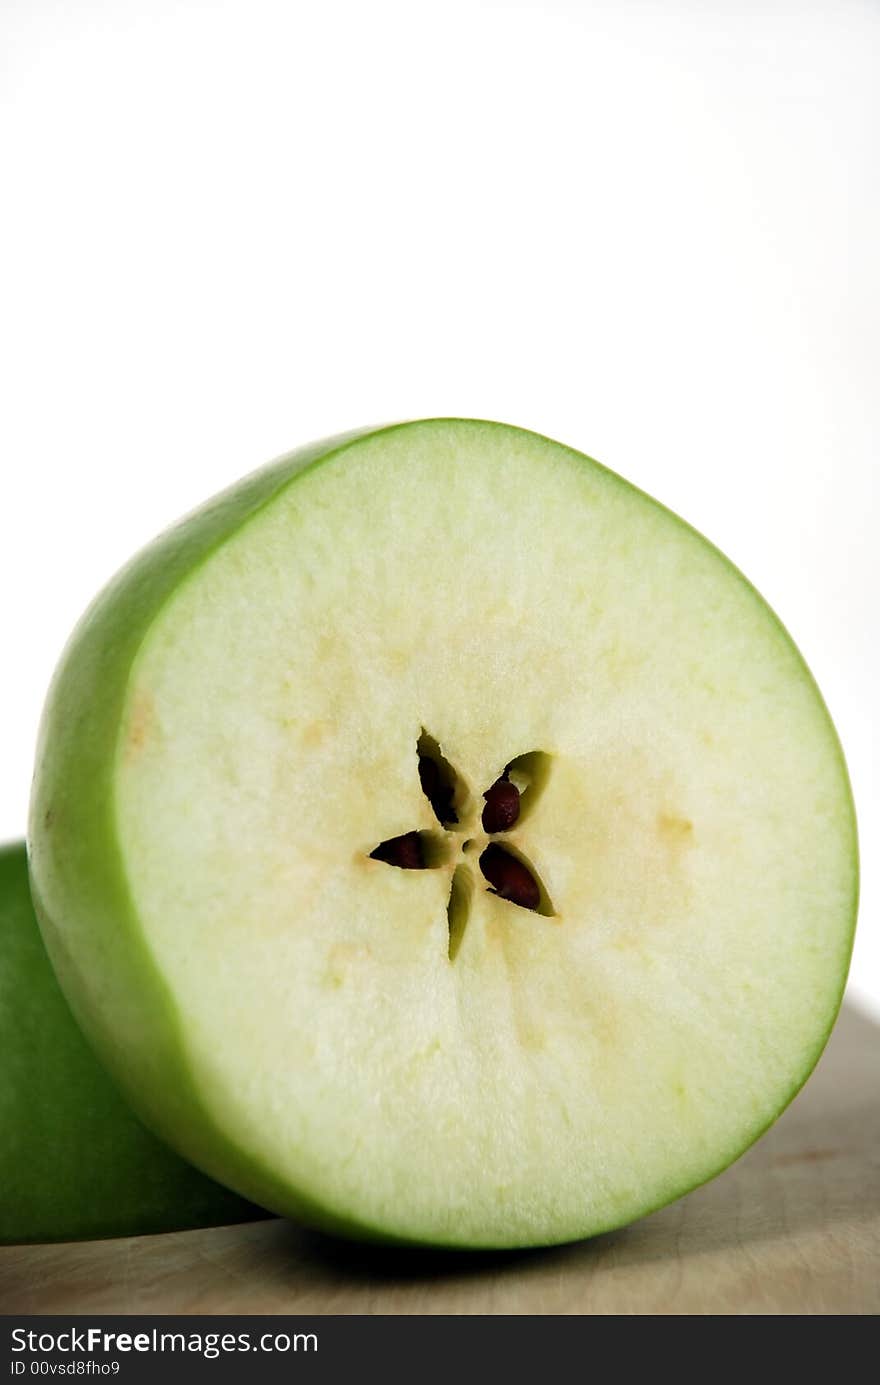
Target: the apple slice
(75, 1162)
(331, 960)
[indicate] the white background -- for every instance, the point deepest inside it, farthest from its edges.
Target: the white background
(652, 231)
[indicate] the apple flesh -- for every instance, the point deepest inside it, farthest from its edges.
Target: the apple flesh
(75, 1163)
(384, 995)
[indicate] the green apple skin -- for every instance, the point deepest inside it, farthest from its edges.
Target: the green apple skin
(75, 1163)
(84, 903)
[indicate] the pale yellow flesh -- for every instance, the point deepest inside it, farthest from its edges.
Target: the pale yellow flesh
(694, 834)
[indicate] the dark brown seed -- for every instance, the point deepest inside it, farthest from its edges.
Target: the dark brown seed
(502, 806)
(509, 877)
(405, 852)
(437, 790)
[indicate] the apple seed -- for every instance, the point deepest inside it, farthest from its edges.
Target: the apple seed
(502, 806)
(405, 852)
(509, 878)
(437, 789)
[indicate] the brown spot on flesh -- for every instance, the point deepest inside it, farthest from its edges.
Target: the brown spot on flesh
(675, 828)
(141, 723)
(313, 734)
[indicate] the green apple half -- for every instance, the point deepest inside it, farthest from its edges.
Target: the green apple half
(271, 885)
(74, 1160)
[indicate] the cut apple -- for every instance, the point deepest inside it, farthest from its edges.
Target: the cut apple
(443, 842)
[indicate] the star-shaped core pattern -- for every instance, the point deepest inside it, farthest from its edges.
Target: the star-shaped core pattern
(510, 875)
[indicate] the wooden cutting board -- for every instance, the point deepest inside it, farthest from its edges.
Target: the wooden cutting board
(793, 1227)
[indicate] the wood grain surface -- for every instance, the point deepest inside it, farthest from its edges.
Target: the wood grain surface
(793, 1227)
